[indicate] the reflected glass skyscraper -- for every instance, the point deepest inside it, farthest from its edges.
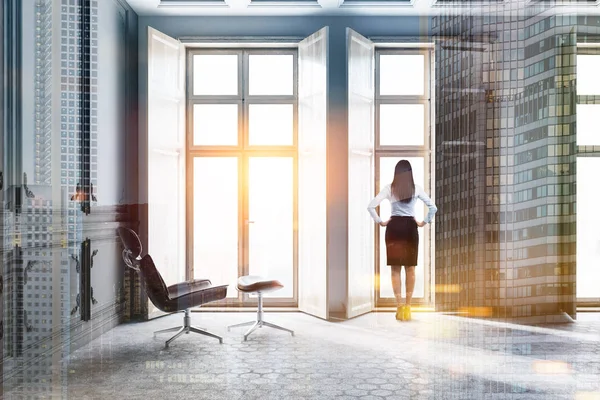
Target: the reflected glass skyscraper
(43, 93)
(505, 167)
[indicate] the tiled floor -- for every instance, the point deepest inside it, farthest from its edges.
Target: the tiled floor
(372, 357)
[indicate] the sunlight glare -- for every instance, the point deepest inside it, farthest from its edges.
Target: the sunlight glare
(271, 220)
(548, 367)
(215, 74)
(587, 124)
(402, 124)
(216, 220)
(402, 75)
(271, 124)
(587, 74)
(447, 288)
(271, 74)
(587, 396)
(588, 243)
(476, 311)
(215, 124)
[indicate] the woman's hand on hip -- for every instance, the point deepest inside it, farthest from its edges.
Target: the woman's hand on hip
(420, 224)
(384, 223)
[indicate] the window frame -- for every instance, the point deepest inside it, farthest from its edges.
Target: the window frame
(425, 151)
(587, 150)
(242, 98)
(243, 151)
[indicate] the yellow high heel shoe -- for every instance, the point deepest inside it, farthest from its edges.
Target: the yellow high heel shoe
(407, 316)
(400, 312)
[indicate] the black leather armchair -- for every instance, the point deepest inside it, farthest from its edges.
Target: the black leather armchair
(174, 298)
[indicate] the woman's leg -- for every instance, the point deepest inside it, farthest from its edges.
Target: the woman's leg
(410, 283)
(397, 283)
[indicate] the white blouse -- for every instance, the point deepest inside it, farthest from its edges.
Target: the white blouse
(400, 208)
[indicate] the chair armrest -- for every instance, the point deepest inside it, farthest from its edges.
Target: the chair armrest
(183, 288)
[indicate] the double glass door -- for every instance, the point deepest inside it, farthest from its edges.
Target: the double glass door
(242, 169)
(243, 220)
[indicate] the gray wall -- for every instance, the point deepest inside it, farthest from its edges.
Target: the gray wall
(112, 153)
(337, 143)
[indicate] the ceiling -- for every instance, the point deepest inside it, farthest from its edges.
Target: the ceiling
(351, 7)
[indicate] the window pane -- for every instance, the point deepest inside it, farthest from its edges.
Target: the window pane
(271, 222)
(587, 75)
(402, 75)
(271, 74)
(588, 220)
(401, 124)
(216, 74)
(216, 221)
(215, 124)
(588, 133)
(271, 124)
(386, 173)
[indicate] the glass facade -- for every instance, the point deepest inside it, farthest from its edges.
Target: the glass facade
(506, 178)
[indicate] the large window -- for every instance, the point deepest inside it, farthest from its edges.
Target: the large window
(402, 131)
(588, 163)
(242, 168)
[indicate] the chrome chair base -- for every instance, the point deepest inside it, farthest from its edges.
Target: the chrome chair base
(187, 328)
(259, 323)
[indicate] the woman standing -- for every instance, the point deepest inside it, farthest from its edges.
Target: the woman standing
(401, 236)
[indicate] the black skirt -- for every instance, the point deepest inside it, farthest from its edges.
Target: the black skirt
(402, 241)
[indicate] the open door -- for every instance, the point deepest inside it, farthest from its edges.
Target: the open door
(312, 172)
(361, 230)
(166, 158)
